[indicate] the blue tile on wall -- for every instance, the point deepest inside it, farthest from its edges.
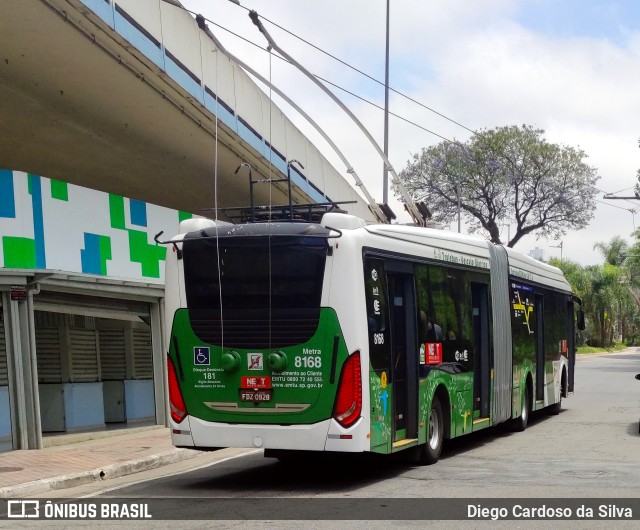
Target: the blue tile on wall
(7, 194)
(138, 211)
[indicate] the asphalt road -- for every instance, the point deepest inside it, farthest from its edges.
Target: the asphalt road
(590, 450)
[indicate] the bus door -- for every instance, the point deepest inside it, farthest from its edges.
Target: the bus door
(404, 355)
(540, 376)
(481, 347)
(571, 342)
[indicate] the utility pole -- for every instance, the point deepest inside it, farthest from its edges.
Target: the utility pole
(560, 247)
(385, 172)
(458, 194)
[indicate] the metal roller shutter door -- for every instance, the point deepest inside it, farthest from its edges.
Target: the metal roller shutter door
(4, 380)
(48, 355)
(112, 354)
(85, 366)
(142, 354)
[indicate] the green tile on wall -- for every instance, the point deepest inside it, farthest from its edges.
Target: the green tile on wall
(116, 210)
(149, 256)
(59, 190)
(19, 252)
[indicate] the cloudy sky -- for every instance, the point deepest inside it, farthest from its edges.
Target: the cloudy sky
(570, 67)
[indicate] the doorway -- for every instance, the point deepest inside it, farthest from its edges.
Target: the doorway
(482, 347)
(404, 355)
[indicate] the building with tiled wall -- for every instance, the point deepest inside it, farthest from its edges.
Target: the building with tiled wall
(85, 285)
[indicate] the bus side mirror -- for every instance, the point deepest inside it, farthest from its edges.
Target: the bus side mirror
(581, 320)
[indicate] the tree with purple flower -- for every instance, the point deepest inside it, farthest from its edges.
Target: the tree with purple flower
(507, 175)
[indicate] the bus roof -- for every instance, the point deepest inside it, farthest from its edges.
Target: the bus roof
(530, 269)
(454, 248)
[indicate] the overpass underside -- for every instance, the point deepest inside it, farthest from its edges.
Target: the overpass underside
(80, 104)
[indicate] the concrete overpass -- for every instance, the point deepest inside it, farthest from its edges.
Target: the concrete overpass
(130, 97)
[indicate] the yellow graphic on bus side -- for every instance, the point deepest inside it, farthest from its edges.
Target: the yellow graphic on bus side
(526, 310)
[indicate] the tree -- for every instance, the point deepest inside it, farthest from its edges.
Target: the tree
(607, 300)
(614, 252)
(505, 175)
(611, 299)
(608, 292)
(632, 263)
(638, 179)
(582, 287)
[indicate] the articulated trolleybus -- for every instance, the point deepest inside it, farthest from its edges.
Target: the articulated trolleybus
(340, 336)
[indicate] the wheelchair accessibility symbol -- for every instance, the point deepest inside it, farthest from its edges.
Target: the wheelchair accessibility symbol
(201, 356)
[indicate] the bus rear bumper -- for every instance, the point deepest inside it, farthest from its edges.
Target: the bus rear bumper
(320, 436)
(212, 434)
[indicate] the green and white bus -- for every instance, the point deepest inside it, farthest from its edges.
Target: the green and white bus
(345, 337)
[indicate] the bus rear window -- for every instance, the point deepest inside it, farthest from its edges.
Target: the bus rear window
(254, 272)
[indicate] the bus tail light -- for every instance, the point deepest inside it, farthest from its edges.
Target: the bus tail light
(176, 402)
(349, 397)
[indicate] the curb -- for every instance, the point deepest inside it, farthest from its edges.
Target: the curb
(626, 351)
(79, 437)
(104, 473)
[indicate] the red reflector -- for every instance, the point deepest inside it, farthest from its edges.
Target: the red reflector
(348, 403)
(176, 403)
(345, 437)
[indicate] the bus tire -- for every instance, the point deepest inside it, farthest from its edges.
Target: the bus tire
(555, 409)
(287, 458)
(431, 449)
(520, 423)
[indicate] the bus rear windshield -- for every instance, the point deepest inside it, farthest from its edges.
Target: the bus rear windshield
(253, 273)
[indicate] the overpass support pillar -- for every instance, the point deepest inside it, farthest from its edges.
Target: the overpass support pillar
(22, 372)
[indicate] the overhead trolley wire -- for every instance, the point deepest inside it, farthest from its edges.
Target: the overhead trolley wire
(353, 94)
(615, 206)
(356, 70)
(334, 84)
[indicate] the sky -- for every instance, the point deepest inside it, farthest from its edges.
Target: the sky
(569, 67)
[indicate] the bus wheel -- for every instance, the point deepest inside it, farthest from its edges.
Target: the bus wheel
(430, 451)
(556, 407)
(285, 457)
(520, 423)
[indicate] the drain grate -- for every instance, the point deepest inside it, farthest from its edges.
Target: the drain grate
(9, 469)
(585, 473)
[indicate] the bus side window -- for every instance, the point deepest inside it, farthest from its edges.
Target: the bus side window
(428, 330)
(434, 330)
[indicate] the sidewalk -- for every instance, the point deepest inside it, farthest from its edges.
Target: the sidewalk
(68, 461)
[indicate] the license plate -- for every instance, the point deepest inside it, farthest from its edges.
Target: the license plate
(256, 396)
